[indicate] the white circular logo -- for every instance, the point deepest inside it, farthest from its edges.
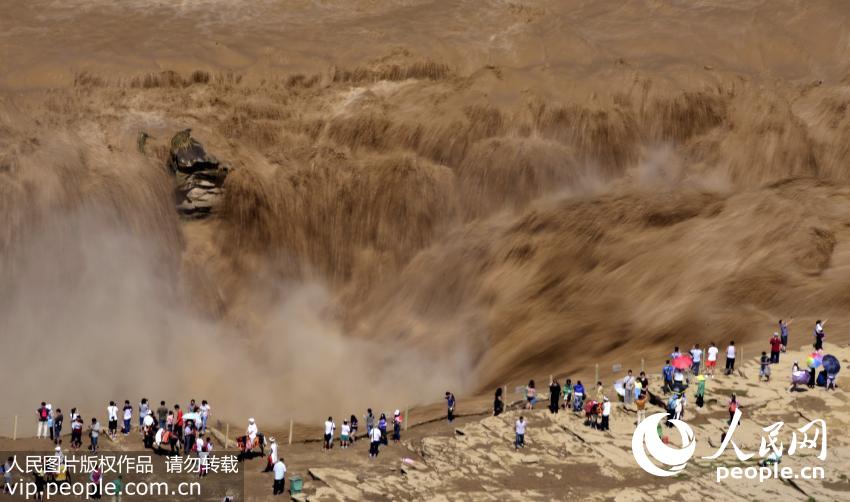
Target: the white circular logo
(645, 440)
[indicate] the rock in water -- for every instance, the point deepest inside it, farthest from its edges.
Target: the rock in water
(199, 176)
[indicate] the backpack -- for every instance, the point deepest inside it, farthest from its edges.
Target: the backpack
(43, 413)
(733, 406)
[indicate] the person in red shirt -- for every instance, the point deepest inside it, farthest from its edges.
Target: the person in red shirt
(775, 348)
(178, 421)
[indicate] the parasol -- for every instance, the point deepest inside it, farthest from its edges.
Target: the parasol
(831, 364)
(683, 362)
(814, 360)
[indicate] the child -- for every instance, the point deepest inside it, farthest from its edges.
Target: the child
(568, 393)
(765, 363)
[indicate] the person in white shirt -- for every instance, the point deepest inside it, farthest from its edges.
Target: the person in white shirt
(251, 434)
(730, 358)
(330, 427)
(128, 416)
(344, 434)
(519, 428)
(629, 389)
(606, 413)
(204, 448)
(711, 359)
(696, 355)
(112, 417)
(374, 441)
(819, 335)
(678, 380)
(205, 415)
(279, 475)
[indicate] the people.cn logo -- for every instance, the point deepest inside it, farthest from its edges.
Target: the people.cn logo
(646, 444)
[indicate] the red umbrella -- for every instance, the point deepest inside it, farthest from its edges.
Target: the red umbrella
(683, 362)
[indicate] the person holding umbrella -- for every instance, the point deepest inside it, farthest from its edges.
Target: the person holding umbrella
(681, 364)
(832, 367)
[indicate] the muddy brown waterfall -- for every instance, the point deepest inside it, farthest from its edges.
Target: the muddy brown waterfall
(407, 211)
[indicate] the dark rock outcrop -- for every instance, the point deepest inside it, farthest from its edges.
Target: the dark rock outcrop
(199, 176)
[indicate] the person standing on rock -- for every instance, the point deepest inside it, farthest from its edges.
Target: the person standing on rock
(641, 406)
(58, 418)
(783, 333)
(144, 407)
(730, 358)
(205, 415)
(42, 414)
(733, 407)
(775, 348)
(819, 334)
(764, 364)
(643, 381)
(344, 434)
(578, 397)
(330, 427)
(676, 353)
(554, 395)
(696, 355)
(667, 375)
(382, 426)
(162, 414)
(374, 441)
(700, 395)
(354, 426)
(711, 359)
(128, 417)
(450, 404)
(519, 428)
(272, 454)
(568, 394)
(370, 422)
(530, 395)
(606, 413)
(396, 426)
(112, 416)
(94, 434)
(628, 389)
(279, 477)
(498, 403)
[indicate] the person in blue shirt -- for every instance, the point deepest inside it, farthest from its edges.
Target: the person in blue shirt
(450, 405)
(667, 373)
(578, 397)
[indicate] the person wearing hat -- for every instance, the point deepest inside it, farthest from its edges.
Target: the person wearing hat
(396, 426)
(251, 433)
(775, 348)
(606, 413)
